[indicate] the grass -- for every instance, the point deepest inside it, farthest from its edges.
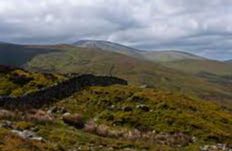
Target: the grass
(197, 66)
(169, 112)
(119, 107)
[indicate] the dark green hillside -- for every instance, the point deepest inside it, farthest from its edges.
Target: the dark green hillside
(18, 55)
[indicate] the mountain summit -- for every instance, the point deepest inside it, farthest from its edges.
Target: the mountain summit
(109, 46)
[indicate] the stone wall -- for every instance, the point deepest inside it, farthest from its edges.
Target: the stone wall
(57, 92)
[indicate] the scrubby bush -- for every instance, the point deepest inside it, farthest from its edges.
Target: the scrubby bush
(75, 120)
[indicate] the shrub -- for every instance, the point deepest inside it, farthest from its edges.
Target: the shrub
(75, 120)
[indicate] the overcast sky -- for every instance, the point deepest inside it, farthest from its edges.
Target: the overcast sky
(203, 27)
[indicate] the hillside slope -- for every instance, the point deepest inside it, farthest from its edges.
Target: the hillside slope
(119, 118)
(179, 60)
(136, 71)
(168, 56)
(197, 66)
(18, 55)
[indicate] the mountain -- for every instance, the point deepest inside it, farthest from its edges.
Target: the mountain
(168, 56)
(158, 56)
(178, 60)
(109, 46)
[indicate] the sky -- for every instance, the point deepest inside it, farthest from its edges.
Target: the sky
(203, 27)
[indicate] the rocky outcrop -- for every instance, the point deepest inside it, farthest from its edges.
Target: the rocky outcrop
(58, 91)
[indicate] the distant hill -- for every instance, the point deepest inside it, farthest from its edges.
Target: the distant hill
(229, 61)
(167, 56)
(179, 60)
(196, 66)
(157, 56)
(109, 46)
(188, 62)
(17, 55)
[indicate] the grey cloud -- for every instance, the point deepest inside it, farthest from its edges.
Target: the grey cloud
(200, 26)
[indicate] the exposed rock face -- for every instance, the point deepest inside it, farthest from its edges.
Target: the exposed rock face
(58, 91)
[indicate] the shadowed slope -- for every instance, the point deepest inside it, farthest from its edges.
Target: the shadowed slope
(18, 55)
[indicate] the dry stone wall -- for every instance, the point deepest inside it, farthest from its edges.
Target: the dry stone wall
(57, 92)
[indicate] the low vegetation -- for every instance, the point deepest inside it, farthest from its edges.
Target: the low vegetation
(16, 82)
(115, 117)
